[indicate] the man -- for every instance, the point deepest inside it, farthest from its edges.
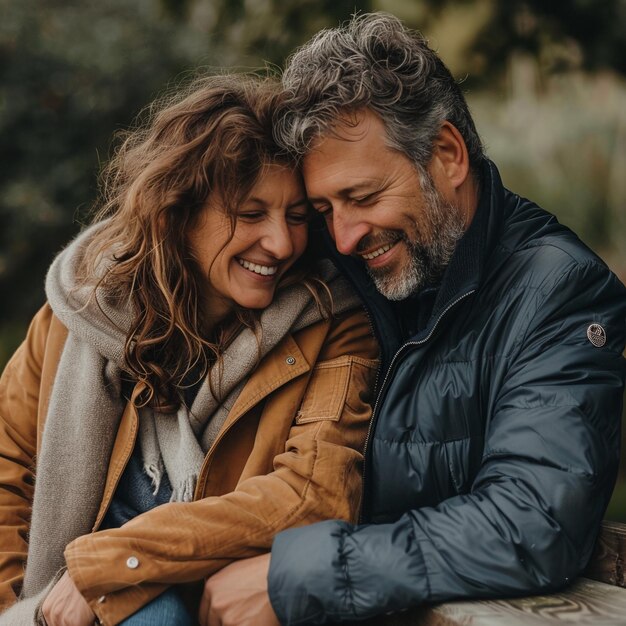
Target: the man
(495, 438)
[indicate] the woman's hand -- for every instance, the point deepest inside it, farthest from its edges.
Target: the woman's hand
(65, 605)
(237, 595)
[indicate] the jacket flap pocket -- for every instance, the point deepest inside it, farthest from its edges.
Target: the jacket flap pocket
(326, 392)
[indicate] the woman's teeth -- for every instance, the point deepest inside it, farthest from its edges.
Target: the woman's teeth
(264, 270)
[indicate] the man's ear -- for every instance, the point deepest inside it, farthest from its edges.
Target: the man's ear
(449, 164)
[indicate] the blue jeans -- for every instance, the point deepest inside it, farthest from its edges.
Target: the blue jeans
(168, 609)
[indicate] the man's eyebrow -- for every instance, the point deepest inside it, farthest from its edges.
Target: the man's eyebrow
(316, 200)
(346, 192)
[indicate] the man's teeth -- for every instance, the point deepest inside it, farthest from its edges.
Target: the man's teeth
(264, 270)
(372, 255)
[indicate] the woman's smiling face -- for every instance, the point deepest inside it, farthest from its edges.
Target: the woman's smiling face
(244, 266)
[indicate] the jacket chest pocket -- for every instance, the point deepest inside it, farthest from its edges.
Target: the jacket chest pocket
(329, 388)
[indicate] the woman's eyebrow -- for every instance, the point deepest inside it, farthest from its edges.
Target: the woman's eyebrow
(263, 203)
(256, 200)
(297, 203)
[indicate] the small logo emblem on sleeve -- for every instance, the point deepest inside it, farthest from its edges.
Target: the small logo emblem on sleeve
(597, 335)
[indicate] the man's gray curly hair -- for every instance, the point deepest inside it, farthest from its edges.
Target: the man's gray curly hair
(373, 61)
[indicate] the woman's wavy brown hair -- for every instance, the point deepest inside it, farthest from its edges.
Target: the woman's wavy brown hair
(214, 135)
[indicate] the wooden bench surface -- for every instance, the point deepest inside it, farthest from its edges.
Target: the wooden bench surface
(585, 603)
(609, 557)
(598, 599)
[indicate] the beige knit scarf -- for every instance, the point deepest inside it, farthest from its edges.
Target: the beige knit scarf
(86, 406)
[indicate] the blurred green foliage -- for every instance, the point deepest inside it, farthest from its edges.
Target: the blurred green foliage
(543, 81)
(557, 146)
(70, 75)
(550, 31)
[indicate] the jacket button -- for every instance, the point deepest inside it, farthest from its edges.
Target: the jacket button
(132, 562)
(290, 360)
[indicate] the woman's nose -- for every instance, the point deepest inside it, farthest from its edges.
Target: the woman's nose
(277, 239)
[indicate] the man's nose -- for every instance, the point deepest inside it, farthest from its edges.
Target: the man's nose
(347, 232)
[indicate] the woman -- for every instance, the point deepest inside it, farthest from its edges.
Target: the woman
(188, 358)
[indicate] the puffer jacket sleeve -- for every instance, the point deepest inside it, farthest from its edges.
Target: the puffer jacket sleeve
(530, 520)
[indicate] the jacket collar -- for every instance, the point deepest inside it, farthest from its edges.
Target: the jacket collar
(466, 268)
(381, 313)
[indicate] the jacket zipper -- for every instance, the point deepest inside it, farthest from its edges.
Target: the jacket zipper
(384, 386)
(371, 420)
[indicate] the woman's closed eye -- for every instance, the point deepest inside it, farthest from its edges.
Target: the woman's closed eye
(251, 216)
(299, 217)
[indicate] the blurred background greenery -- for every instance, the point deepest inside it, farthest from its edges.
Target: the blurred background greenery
(545, 82)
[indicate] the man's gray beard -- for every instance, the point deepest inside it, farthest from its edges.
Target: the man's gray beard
(428, 261)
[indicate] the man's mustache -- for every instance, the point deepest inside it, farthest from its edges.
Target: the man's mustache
(371, 242)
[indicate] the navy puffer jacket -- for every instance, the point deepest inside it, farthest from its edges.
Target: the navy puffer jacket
(495, 441)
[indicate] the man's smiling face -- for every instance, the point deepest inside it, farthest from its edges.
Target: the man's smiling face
(378, 207)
